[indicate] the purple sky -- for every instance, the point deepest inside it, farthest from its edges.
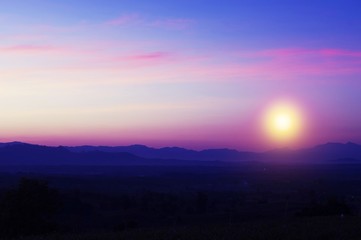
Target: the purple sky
(195, 74)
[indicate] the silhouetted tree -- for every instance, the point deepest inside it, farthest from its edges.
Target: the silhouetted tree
(29, 209)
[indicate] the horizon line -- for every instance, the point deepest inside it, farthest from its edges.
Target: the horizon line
(225, 148)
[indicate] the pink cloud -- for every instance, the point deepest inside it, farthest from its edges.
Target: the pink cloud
(35, 50)
(340, 53)
(300, 52)
(284, 64)
(141, 59)
(123, 20)
(270, 64)
(274, 65)
(148, 56)
(28, 48)
(113, 62)
(71, 50)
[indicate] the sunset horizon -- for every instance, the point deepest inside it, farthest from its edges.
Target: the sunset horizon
(180, 119)
(200, 148)
(168, 74)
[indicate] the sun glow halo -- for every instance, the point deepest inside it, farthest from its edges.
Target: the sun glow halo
(282, 122)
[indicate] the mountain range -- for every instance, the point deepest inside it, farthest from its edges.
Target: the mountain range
(18, 153)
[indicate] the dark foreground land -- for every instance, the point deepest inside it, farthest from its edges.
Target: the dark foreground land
(217, 201)
(306, 228)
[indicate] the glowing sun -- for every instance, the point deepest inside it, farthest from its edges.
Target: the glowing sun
(282, 122)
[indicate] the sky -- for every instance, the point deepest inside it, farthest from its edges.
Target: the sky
(189, 73)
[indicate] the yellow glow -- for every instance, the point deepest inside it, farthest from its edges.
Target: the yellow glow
(282, 122)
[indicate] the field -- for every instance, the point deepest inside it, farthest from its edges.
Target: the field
(221, 201)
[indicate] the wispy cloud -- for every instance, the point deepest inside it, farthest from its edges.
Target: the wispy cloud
(148, 56)
(36, 50)
(139, 59)
(281, 65)
(294, 63)
(166, 23)
(124, 20)
(29, 48)
(301, 52)
(269, 64)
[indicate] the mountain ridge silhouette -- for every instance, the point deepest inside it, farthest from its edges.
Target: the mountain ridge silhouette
(33, 154)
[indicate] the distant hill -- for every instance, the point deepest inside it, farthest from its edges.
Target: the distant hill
(325, 153)
(337, 151)
(171, 152)
(329, 152)
(17, 153)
